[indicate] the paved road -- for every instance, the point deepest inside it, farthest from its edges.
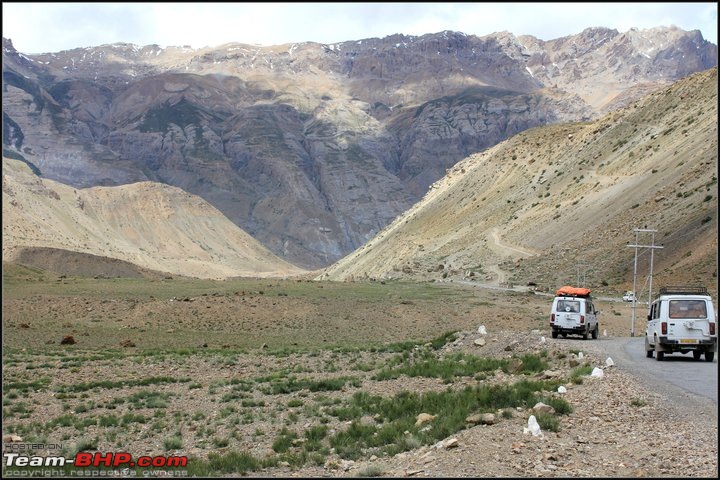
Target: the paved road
(679, 374)
(680, 377)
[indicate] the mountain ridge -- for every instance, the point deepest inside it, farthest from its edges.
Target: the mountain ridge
(311, 148)
(638, 167)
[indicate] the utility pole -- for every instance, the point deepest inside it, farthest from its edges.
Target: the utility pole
(578, 266)
(652, 250)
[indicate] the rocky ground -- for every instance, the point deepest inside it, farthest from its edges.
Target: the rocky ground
(606, 435)
(210, 368)
(618, 428)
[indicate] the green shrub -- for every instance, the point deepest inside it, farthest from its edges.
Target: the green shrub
(548, 422)
(173, 443)
(283, 442)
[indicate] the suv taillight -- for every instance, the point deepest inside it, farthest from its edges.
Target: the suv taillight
(582, 319)
(552, 318)
(712, 328)
(663, 328)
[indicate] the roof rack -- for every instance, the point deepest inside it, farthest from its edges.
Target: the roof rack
(683, 290)
(568, 291)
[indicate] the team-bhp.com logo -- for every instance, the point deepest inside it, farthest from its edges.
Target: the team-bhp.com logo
(97, 459)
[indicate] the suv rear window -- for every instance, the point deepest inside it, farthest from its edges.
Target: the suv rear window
(568, 306)
(688, 309)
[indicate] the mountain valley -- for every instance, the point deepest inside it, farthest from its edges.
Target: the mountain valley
(313, 149)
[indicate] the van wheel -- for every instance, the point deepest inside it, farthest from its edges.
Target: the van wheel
(697, 354)
(709, 356)
(595, 331)
(585, 334)
(648, 350)
(659, 356)
(554, 334)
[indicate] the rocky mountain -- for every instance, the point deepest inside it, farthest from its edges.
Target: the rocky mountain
(143, 229)
(310, 148)
(557, 203)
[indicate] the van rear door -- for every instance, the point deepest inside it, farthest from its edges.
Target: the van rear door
(568, 313)
(688, 320)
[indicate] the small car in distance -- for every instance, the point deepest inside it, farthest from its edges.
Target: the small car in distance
(629, 296)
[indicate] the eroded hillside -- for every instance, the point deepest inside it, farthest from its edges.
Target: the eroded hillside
(313, 148)
(153, 226)
(536, 206)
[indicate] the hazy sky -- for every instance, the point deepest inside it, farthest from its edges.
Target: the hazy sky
(52, 27)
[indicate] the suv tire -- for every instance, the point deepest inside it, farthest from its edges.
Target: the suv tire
(648, 349)
(709, 356)
(595, 331)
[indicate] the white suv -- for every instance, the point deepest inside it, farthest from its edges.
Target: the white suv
(681, 319)
(573, 312)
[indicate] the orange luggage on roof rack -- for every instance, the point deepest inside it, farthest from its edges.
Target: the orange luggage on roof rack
(573, 291)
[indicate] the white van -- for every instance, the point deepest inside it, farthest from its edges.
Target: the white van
(681, 319)
(573, 312)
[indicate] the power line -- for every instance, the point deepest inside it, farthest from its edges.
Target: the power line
(652, 248)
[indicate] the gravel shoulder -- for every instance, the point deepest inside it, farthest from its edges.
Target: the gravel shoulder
(621, 426)
(692, 403)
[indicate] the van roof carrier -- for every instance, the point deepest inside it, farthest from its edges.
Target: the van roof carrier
(569, 291)
(683, 290)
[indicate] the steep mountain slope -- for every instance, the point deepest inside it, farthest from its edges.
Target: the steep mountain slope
(311, 148)
(153, 226)
(538, 205)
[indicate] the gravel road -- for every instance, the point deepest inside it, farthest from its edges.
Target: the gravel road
(677, 372)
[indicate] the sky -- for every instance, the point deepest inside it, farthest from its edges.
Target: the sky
(36, 27)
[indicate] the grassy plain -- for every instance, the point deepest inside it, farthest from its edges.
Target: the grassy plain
(265, 376)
